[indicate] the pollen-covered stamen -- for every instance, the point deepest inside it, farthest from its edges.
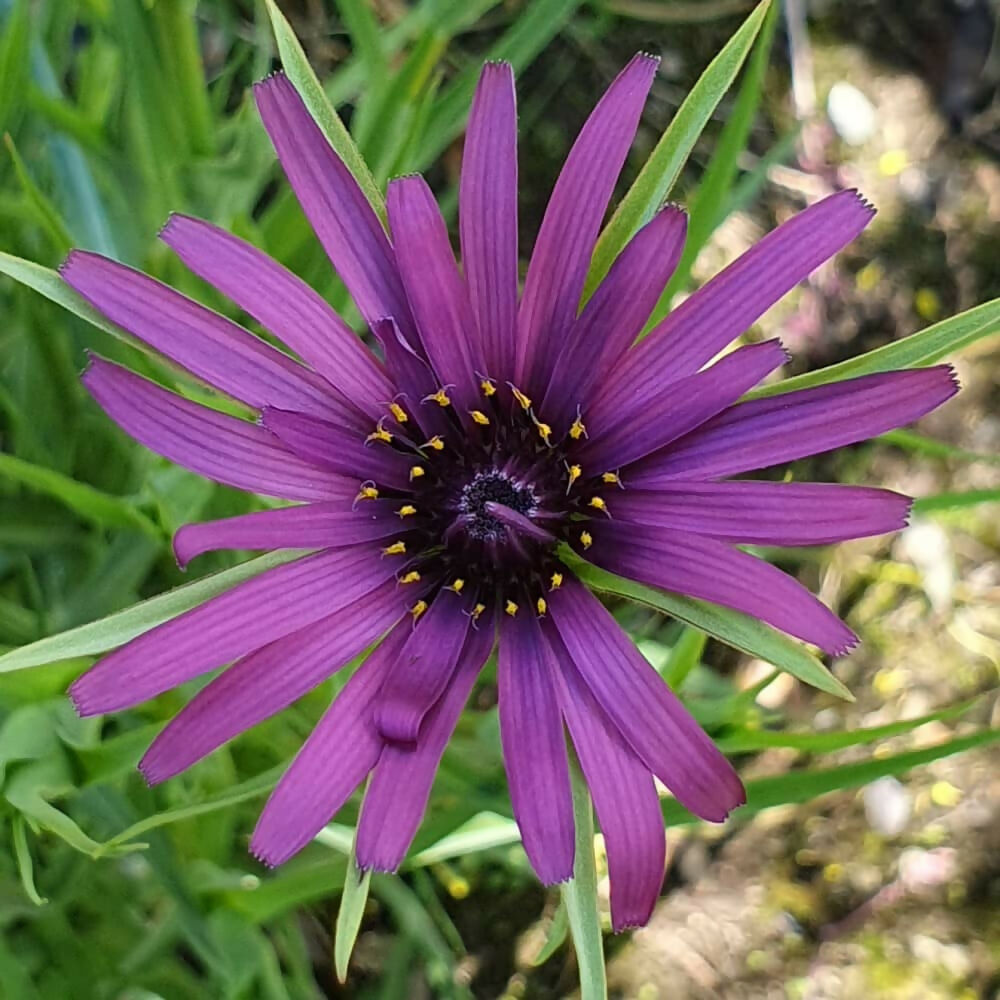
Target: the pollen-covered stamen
(480, 418)
(436, 442)
(379, 434)
(368, 491)
(525, 401)
(574, 472)
(598, 503)
(556, 581)
(407, 510)
(399, 413)
(510, 608)
(440, 397)
(586, 539)
(541, 606)
(489, 387)
(395, 549)
(612, 479)
(412, 577)
(418, 609)
(457, 585)
(578, 429)
(416, 471)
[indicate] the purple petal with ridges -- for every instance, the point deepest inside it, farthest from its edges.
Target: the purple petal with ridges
(572, 220)
(624, 794)
(333, 203)
(401, 782)
(284, 304)
(312, 526)
(615, 314)
(793, 425)
(421, 674)
(518, 523)
(437, 294)
(534, 748)
(643, 709)
(487, 216)
(737, 297)
(206, 344)
(269, 680)
(251, 615)
(640, 426)
(342, 451)
(714, 571)
(230, 451)
(333, 761)
(760, 513)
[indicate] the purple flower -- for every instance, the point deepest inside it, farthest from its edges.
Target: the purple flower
(437, 480)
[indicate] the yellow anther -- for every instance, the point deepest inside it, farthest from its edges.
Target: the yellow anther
(398, 412)
(520, 397)
(556, 582)
(477, 611)
(611, 478)
(436, 442)
(418, 609)
(396, 549)
(479, 417)
(488, 387)
(574, 473)
(379, 434)
(511, 608)
(598, 504)
(545, 432)
(368, 492)
(586, 539)
(457, 584)
(440, 397)
(416, 472)
(406, 510)
(578, 430)
(542, 605)
(410, 577)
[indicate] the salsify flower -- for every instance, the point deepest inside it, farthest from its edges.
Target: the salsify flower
(438, 479)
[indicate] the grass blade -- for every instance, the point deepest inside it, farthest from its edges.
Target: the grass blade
(352, 909)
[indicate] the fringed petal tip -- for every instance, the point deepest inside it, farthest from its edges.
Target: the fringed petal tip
(862, 201)
(268, 858)
(276, 78)
(645, 57)
(79, 700)
(153, 773)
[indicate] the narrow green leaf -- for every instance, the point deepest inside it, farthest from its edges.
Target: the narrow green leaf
(15, 50)
(296, 65)
(101, 508)
(911, 441)
(481, 833)
(954, 501)
(684, 656)
(25, 866)
(558, 929)
(352, 909)
(116, 629)
(916, 351)
(661, 170)
(366, 36)
(579, 895)
(44, 211)
(805, 786)
(732, 627)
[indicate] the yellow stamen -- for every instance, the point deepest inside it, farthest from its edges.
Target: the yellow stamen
(520, 397)
(488, 387)
(406, 510)
(556, 581)
(379, 434)
(418, 609)
(545, 432)
(477, 611)
(410, 577)
(398, 412)
(578, 430)
(586, 539)
(611, 478)
(396, 549)
(435, 442)
(598, 504)
(541, 605)
(416, 472)
(368, 492)
(511, 608)
(457, 585)
(480, 417)
(574, 473)
(440, 397)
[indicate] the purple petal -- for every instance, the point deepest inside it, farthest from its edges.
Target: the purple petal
(333, 761)
(766, 513)
(342, 451)
(734, 299)
(793, 425)
(713, 571)
(615, 313)
(534, 748)
(205, 343)
(284, 304)
(333, 203)
(641, 706)
(437, 294)
(401, 782)
(269, 680)
(518, 523)
(222, 448)
(641, 425)
(572, 220)
(421, 674)
(487, 216)
(251, 615)
(313, 526)
(625, 798)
